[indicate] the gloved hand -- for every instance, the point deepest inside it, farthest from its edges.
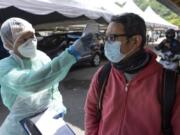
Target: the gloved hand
(81, 46)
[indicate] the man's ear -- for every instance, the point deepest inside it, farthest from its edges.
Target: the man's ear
(137, 40)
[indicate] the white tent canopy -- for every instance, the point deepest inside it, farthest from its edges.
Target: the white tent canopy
(105, 5)
(130, 6)
(156, 19)
(52, 11)
(150, 17)
(67, 8)
(113, 8)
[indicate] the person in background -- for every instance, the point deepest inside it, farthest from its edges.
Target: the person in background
(178, 35)
(169, 51)
(149, 36)
(29, 79)
(130, 103)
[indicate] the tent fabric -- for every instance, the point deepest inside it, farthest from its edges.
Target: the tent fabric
(130, 6)
(50, 11)
(156, 19)
(67, 8)
(150, 17)
(106, 5)
(34, 19)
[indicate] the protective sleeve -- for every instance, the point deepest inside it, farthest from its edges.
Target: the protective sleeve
(25, 82)
(91, 122)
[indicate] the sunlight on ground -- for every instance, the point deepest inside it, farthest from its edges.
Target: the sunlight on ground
(77, 130)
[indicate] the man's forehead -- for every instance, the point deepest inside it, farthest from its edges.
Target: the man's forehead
(114, 27)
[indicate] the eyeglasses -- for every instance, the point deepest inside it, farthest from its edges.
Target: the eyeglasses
(113, 37)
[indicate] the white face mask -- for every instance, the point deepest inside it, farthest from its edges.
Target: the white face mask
(28, 49)
(112, 51)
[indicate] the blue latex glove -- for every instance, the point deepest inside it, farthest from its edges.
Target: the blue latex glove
(81, 46)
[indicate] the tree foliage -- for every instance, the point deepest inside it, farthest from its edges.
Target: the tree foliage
(160, 9)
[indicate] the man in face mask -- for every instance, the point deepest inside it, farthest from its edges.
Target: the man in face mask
(169, 51)
(123, 44)
(130, 104)
(29, 79)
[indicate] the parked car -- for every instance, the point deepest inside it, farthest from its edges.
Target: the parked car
(54, 44)
(38, 36)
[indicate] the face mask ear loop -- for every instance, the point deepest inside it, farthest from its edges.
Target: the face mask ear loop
(131, 53)
(15, 42)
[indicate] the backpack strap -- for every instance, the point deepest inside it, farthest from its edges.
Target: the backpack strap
(102, 79)
(168, 100)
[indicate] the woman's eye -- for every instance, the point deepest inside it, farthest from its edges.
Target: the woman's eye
(24, 40)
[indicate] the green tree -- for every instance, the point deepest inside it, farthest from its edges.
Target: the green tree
(160, 9)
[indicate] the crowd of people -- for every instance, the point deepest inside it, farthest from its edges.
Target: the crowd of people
(124, 97)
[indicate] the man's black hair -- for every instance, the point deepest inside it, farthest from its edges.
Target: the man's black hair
(133, 25)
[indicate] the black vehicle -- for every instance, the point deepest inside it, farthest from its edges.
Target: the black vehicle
(54, 44)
